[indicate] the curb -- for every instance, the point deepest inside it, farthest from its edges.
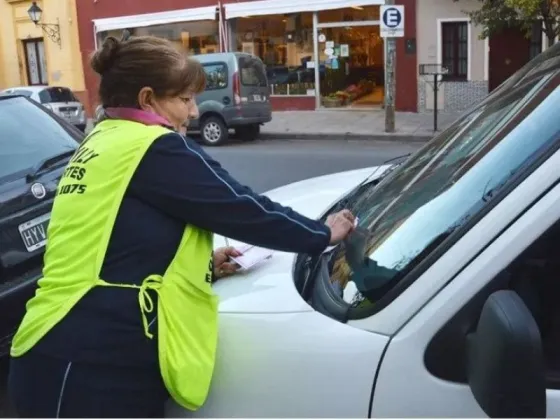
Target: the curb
(345, 137)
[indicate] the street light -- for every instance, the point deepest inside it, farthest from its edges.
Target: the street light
(51, 29)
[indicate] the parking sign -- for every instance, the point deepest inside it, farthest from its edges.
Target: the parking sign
(392, 21)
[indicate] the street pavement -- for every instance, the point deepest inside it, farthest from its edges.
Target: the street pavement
(264, 165)
(267, 164)
(336, 124)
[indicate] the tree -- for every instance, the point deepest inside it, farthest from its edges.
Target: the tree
(495, 15)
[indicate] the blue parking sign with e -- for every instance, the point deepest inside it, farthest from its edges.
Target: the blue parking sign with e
(392, 17)
(392, 21)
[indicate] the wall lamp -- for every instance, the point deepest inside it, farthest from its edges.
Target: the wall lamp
(51, 29)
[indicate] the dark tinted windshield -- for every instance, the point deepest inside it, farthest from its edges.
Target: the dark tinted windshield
(56, 94)
(252, 72)
(27, 136)
(443, 186)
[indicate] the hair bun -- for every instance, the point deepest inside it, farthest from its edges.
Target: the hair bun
(102, 60)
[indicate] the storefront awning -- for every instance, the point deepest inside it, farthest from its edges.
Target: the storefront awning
(149, 19)
(275, 7)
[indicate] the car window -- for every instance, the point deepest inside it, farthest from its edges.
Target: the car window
(252, 72)
(216, 76)
(27, 136)
(56, 94)
(414, 209)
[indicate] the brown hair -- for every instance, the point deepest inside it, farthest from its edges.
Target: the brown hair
(128, 65)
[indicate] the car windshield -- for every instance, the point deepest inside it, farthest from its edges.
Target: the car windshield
(28, 135)
(56, 94)
(451, 179)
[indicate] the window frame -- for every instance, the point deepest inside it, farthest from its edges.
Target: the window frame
(216, 63)
(240, 67)
(457, 23)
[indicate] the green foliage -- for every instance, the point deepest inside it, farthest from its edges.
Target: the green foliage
(495, 15)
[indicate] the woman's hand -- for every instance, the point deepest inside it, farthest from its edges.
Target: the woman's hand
(223, 267)
(341, 225)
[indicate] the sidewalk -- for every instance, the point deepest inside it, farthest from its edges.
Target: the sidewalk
(352, 125)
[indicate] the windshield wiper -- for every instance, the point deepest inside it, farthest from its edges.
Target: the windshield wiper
(44, 164)
(345, 202)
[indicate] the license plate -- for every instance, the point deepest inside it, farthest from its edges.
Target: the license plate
(34, 232)
(257, 98)
(67, 114)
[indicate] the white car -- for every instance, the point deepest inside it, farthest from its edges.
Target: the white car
(443, 302)
(59, 100)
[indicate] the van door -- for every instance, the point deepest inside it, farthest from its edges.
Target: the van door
(254, 90)
(425, 371)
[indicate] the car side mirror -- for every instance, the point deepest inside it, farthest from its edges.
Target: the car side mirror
(505, 362)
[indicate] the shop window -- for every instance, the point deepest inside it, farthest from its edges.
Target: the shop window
(454, 54)
(285, 45)
(216, 76)
(351, 67)
(350, 14)
(200, 37)
(35, 61)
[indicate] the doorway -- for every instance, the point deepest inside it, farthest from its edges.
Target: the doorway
(351, 57)
(35, 61)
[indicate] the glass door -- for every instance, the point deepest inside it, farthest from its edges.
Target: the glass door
(351, 58)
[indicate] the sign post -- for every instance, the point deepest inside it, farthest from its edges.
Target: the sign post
(392, 26)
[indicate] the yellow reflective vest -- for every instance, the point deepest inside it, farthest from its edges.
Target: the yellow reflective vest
(88, 199)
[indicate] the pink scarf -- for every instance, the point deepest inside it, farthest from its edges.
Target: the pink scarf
(137, 115)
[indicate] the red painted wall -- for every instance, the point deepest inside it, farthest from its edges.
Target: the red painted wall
(406, 80)
(98, 9)
(297, 103)
(509, 51)
(406, 97)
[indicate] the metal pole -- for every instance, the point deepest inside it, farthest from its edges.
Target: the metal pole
(316, 61)
(435, 101)
(390, 66)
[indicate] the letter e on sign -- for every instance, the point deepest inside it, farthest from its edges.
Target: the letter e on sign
(392, 21)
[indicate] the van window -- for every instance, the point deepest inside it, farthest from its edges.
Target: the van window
(252, 72)
(216, 76)
(57, 94)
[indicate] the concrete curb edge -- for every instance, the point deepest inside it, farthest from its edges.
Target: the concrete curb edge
(345, 137)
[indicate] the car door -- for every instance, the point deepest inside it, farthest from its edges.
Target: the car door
(424, 371)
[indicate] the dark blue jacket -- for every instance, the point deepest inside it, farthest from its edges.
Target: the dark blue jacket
(176, 184)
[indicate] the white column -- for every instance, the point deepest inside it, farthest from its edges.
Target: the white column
(316, 60)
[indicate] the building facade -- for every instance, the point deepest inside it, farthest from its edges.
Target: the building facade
(475, 66)
(447, 37)
(318, 53)
(28, 56)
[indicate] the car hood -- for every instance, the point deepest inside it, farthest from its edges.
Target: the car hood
(269, 287)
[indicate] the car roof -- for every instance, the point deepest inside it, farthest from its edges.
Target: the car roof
(36, 88)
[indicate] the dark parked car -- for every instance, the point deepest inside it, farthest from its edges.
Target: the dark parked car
(35, 146)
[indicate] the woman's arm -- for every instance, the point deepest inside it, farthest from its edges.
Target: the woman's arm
(179, 178)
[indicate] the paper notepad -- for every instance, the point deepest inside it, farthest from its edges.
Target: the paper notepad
(252, 255)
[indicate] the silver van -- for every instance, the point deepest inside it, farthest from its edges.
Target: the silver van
(237, 96)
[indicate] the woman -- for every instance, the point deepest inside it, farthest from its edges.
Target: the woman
(124, 315)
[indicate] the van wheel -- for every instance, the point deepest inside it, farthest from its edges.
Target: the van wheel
(248, 132)
(213, 131)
